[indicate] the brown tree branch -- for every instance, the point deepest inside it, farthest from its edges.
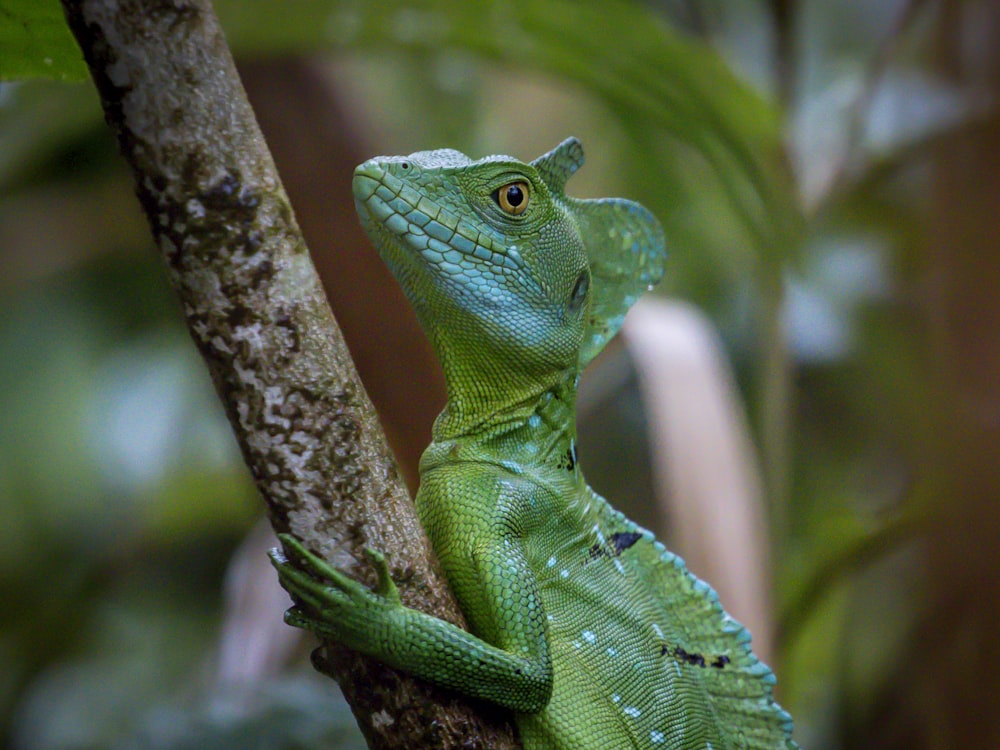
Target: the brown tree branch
(255, 309)
(316, 145)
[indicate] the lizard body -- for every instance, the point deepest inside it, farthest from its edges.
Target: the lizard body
(582, 624)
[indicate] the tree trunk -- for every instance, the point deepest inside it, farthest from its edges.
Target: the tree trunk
(256, 311)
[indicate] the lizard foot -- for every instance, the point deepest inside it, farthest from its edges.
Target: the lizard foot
(328, 601)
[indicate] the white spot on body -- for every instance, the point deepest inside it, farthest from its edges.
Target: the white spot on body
(631, 711)
(615, 698)
(612, 652)
(551, 563)
(619, 567)
(656, 629)
(658, 738)
(564, 573)
(588, 636)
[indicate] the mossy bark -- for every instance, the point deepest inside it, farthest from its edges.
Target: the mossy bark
(255, 309)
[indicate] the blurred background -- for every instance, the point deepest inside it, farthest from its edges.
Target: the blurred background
(808, 410)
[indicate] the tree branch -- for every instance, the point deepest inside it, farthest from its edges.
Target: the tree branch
(255, 309)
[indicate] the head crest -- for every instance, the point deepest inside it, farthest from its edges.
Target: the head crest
(624, 244)
(559, 164)
(626, 248)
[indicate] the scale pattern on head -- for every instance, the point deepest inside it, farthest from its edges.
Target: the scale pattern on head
(499, 262)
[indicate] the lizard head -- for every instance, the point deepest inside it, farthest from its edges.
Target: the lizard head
(506, 272)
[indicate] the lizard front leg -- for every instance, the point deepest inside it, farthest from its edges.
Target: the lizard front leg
(375, 622)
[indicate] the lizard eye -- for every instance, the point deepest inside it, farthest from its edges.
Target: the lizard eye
(579, 293)
(513, 198)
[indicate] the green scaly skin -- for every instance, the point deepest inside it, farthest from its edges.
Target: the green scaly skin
(583, 625)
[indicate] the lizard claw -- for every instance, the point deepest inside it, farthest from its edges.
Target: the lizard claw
(386, 586)
(308, 590)
(299, 619)
(318, 586)
(309, 561)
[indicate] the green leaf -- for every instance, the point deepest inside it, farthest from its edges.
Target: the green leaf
(35, 42)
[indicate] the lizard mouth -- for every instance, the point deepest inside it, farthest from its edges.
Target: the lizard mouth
(436, 234)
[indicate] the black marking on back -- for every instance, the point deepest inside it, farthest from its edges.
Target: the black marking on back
(624, 539)
(618, 543)
(694, 659)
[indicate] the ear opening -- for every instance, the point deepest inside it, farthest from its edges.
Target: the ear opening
(559, 164)
(627, 251)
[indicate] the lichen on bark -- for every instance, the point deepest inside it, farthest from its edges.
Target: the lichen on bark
(255, 308)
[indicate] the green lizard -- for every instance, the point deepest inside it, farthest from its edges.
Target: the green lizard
(583, 625)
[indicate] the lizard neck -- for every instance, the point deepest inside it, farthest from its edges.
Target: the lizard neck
(519, 428)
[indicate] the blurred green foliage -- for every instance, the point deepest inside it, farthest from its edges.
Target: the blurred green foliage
(788, 149)
(37, 43)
